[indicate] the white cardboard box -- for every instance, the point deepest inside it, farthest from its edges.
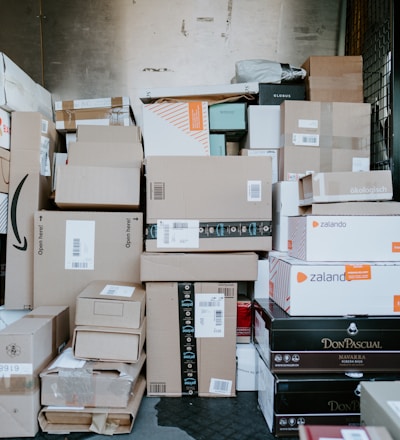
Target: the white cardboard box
(263, 126)
(246, 370)
(304, 288)
(344, 237)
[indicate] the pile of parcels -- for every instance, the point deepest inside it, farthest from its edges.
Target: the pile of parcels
(234, 240)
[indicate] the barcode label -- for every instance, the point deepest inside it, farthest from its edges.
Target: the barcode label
(354, 434)
(220, 386)
(254, 190)
(79, 244)
(178, 234)
(209, 315)
(227, 291)
(311, 140)
(76, 247)
(157, 388)
(158, 191)
(116, 290)
(45, 126)
(15, 369)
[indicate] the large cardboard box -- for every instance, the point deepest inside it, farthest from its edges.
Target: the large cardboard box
(352, 208)
(114, 344)
(302, 344)
(334, 288)
(380, 405)
(334, 78)
(98, 420)
(111, 304)
(69, 114)
(33, 143)
(272, 152)
(208, 204)
(108, 133)
(176, 129)
(192, 266)
(68, 381)
(344, 237)
(296, 162)
(346, 186)
(80, 247)
(191, 339)
(18, 91)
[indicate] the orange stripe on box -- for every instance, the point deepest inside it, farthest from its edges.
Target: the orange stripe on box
(195, 116)
(358, 272)
(396, 246)
(396, 303)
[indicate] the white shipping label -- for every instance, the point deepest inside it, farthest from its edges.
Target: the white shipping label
(115, 290)
(178, 234)
(45, 126)
(308, 123)
(67, 360)
(79, 244)
(354, 434)
(45, 156)
(209, 315)
(360, 164)
(13, 369)
(254, 190)
(307, 140)
(220, 386)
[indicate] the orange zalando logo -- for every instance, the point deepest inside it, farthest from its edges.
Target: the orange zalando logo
(315, 224)
(395, 246)
(301, 277)
(396, 303)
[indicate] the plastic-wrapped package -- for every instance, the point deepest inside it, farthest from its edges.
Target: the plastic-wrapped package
(265, 71)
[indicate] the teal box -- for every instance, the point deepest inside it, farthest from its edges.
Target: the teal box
(217, 144)
(230, 116)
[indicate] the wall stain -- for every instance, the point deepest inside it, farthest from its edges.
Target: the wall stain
(183, 29)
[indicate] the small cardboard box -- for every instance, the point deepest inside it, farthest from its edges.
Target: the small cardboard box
(344, 237)
(217, 144)
(224, 205)
(263, 126)
(114, 344)
(98, 420)
(68, 381)
(379, 405)
(111, 304)
(346, 186)
(176, 129)
(229, 118)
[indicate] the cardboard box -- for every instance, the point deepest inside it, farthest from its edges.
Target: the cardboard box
(304, 288)
(316, 432)
(302, 344)
(346, 186)
(69, 114)
(33, 143)
(68, 381)
(334, 78)
(246, 370)
(18, 92)
(275, 94)
(192, 266)
(344, 238)
(114, 344)
(4, 170)
(261, 284)
(263, 126)
(5, 129)
(224, 205)
(111, 304)
(379, 405)
(217, 144)
(102, 239)
(187, 355)
(108, 133)
(99, 420)
(229, 118)
(98, 187)
(59, 160)
(273, 153)
(352, 208)
(176, 129)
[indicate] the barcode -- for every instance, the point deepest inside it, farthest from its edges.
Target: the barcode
(218, 317)
(79, 265)
(209, 303)
(228, 291)
(180, 225)
(45, 126)
(159, 190)
(166, 235)
(309, 140)
(221, 385)
(254, 191)
(157, 387)
(76, 247)
(111, 291)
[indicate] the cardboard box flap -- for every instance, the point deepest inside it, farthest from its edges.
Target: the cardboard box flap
(79, 104)
(352, 208)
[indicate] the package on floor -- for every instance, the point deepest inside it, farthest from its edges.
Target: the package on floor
(313, 432)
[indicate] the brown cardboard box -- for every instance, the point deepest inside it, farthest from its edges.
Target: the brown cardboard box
(191, 266)
(100, 420)
(105, 343)
(68, 381)
(108, 133)
(29, 190)
(4, 170)
(111, 304)
(217, 203)
(334, 78)
(188, 355)
(109, 245)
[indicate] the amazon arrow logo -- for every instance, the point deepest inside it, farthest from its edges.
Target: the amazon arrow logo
(22, 244)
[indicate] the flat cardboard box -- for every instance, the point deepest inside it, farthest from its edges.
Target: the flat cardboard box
(272, 152)
(99, 420)
(108, 133)
(224, 205)
(346, 186)
(18, 91)
(111, 304)
(380, 405)
(104, 238)
(113, 344)
(98, 187)
(192, 266)
(68, 381)
(5, 129)
(344, 237)
(33, 143)
(176, 129)
(263, 126)
(324, 288)
(4, 170)
(206, 349)
(317, 432)
(352, 208)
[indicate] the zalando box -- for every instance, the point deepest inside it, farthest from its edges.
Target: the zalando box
(344, 237)
(191, 339)
(334, 288)
(176, 129)
(218, 203)
(32, 146)
(345, 187)
(80, 247)
(111, 304)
